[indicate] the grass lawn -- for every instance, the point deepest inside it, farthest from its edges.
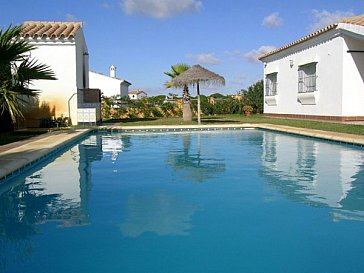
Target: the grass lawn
(231, 119)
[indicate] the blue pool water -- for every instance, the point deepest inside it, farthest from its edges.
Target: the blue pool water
(227, 201)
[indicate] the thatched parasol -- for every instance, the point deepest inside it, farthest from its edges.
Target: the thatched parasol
(196, 75)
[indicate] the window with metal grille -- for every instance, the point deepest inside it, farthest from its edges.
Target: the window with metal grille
(307, 78)
(271, 84)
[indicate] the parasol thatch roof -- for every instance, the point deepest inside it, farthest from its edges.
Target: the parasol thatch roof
(196, 75)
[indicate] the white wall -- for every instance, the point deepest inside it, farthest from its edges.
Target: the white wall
(133, 96)
(109, 86)
(137, 96)
(327, 51)
(353, 86)
(61, 57)
(69, 62)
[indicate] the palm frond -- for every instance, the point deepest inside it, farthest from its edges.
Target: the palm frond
(12, 48)
(29, 70)
(177, 69)
(170, 74)
(168, 84)
(180, 68)
(9, 103)
(17, 71)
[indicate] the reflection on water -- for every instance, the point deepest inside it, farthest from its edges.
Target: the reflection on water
(195, 164)
(316, 173)
(57, 192)
(142, 199)
(113, 145)
(159, 213)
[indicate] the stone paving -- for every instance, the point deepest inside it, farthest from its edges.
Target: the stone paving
(19, 154)
(15, 156)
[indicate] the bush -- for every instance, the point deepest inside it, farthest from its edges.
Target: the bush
(255, 96)
(247, 108)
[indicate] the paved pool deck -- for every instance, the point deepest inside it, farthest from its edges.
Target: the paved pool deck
(15, 156)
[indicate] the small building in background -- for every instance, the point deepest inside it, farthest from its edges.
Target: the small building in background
(109, 85)
(137, 94)
(61, 46)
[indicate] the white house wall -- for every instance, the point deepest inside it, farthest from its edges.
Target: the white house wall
(353, 69)
(326, 50)
(61, 57)
(109, 86)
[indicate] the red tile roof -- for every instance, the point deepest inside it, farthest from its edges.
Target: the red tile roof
(34, 29)
(136, 92)
(357, 20)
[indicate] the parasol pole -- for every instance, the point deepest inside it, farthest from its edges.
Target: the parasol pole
(198, 104)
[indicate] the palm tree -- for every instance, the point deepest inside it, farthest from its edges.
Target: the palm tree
(178, 69)
(17, 71)
(197, 75)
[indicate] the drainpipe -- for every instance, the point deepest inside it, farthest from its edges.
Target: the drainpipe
(69, 109)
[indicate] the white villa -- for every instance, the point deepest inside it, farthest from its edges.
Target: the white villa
(137, 94)
(320, 76)
(109, 85)
(62, 46)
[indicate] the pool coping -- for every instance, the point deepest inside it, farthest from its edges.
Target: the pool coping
(318, 134)
(16, 156)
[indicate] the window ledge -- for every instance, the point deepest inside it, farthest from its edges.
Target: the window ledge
(271, 100)
(308, 98)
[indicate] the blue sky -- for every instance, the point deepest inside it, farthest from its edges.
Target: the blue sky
(143, 38)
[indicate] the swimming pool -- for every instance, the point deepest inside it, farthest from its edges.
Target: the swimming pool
(226, 201)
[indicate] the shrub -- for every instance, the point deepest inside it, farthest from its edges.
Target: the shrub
(247, 108)
(255, 96)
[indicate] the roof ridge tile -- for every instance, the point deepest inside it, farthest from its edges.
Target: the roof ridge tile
(355, 20)
(49, 29)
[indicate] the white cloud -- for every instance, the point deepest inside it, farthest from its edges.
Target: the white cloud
(273, 20)
(160, 9)
(324, 18)
(71, 18)
(233, 52)
(252, 56)
(208, 58)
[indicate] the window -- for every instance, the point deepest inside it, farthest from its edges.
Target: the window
(271, 84)
(307, 78)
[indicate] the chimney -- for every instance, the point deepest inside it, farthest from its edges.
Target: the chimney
(113, 71)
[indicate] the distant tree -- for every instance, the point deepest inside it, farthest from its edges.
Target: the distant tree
(17, 71)
(217, 95)
(242, 92)
(178, 69)
(157, 100)
(255, 96)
